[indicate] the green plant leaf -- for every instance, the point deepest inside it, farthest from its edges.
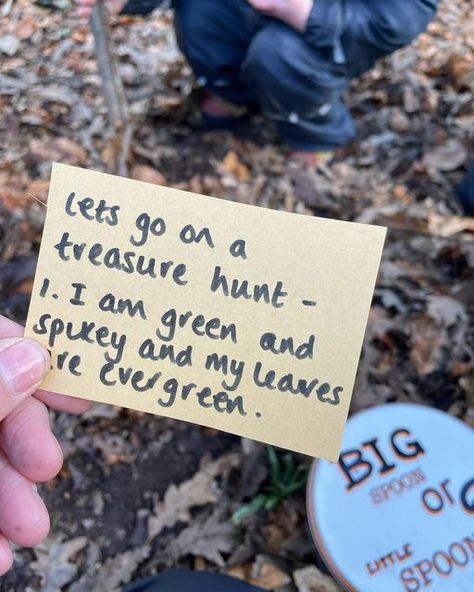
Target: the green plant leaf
(255, 505)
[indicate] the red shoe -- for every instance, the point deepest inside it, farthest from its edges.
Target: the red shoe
(218, 113)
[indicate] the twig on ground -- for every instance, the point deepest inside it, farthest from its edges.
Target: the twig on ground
(118, 111)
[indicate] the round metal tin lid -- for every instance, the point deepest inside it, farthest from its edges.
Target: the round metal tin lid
(396, 513)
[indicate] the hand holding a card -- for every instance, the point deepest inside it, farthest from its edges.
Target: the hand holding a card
(29, 452)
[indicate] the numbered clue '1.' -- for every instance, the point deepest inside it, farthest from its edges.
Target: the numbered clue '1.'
(223, 314)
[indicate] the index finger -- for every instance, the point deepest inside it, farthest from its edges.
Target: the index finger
(63, 402)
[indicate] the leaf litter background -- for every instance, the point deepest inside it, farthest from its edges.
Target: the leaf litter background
(138, 493)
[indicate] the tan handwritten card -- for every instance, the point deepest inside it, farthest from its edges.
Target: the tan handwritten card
(227, 315)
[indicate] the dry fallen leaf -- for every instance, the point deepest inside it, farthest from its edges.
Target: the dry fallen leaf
(311, 579)
(261, 573)
(231, 164)
(119, 570)
(268, 576)
(26, 27)
(411, 102)
(147, 174)
(53, 561)
(426, 342)
(449, 225)
(9, 45)
(197, 491)
(461, 70)
(5, 8)
(399, 121)
(39, 189)
(448, 157)
(445, 310)
(57, 149)
(206, 539)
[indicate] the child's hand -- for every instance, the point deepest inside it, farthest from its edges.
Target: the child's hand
(29, 452)
(84, 7)
(293, 12)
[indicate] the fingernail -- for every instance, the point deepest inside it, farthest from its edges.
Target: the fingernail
(23, 364)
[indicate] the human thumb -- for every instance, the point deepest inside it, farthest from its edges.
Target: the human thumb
(23, 365)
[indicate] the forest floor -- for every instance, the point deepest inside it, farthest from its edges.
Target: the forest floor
(137, 493)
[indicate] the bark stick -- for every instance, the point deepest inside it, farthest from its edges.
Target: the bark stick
(118, 111)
